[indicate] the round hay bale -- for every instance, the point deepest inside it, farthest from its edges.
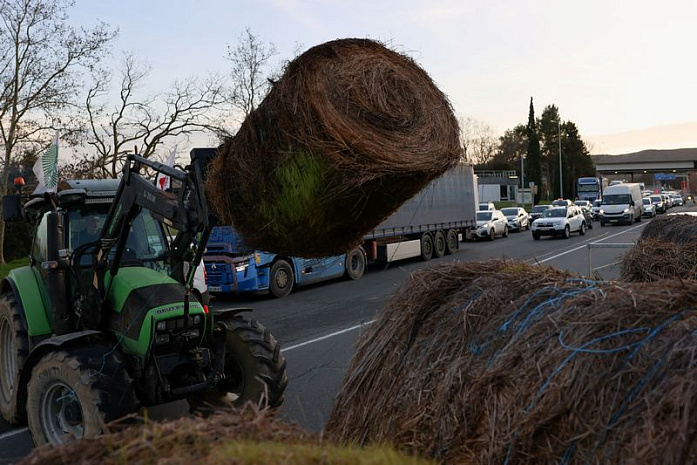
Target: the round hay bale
(347, 134)
(504, 362)
(652, 259)
(679, 229)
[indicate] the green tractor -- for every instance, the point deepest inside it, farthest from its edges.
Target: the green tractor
(105, 319)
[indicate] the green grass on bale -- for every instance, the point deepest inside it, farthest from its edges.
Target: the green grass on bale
(266, 453)
(299, 187)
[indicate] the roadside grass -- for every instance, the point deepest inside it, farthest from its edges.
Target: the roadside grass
(16, 263)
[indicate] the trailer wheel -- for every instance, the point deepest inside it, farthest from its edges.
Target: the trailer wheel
(426, 246)
(72, 393)
(355, 263)
(451, 242)
(439, 244)
(281, 279)
(255, 369)
(14, 350)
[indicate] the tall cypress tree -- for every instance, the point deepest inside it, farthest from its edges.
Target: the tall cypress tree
(533, 172)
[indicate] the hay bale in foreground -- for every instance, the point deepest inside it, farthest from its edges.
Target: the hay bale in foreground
(236, 437)
(504, 362)
(347, 134)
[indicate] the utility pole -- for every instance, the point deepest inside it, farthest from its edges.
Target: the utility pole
(561, 179)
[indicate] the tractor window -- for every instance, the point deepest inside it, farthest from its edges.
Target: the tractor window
(40, 249)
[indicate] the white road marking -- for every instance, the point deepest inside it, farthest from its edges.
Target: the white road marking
(584, 245)
(10, 434)
(327, 336)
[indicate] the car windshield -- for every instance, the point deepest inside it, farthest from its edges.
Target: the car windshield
(597, 203)
(616, 199)
(554, 213)
(483, 216)
(646, 201)
(656, 198)
(509, 211)
(540, 208)
(582, 203)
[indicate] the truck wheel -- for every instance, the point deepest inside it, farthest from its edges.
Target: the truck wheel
(426, 247)
(72, 393)
(439, 244)
(255, 370)
(451, 242)
(355, 263)
(281, 279)
(14, 349)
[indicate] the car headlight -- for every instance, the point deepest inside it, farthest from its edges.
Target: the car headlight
(625, 211)
(601, 211)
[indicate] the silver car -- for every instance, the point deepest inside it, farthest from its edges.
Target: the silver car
(649, 207)
(491, 223)
(517, 217)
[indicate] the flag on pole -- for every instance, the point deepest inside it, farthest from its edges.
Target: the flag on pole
(46, 169)
(162, 180)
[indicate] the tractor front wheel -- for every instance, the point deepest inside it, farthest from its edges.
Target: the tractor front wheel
(255, 370)
(72, 393)
(14, 349)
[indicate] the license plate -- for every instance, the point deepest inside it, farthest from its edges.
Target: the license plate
(613, 221)
(215, 289)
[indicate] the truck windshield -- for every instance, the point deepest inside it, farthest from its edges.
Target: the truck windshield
(616, 199)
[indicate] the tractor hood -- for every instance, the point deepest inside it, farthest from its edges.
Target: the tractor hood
(137, 297)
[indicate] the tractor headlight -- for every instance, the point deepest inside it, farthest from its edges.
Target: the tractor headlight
(161, 338)
(161, 326)
(197, 320)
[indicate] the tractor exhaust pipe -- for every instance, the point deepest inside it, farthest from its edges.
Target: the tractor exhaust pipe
(55, 270)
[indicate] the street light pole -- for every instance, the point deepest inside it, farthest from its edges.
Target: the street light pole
(561, 179)
(522, 180)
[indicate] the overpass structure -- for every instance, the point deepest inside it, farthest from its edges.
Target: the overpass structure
(675, 168)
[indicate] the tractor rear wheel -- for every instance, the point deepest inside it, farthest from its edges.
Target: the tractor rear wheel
(255, 370)
(73, 392)
(14, 350)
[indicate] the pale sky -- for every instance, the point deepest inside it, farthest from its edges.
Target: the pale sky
(623, 71)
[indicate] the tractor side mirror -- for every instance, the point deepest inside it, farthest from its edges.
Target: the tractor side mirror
(12, 208)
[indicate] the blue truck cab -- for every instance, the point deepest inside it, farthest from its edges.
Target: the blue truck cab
(232, 267)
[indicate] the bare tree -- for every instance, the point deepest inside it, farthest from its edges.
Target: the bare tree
(41, 57)
(250, 60)
(146, 122)
(478, 140)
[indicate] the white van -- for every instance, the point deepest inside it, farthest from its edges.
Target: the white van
(621, 203)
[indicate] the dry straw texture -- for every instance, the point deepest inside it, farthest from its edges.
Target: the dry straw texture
(247, 437)
(504, 362)
(667, 249)
(347, 134)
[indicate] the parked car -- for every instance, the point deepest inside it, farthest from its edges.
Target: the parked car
(649, 207)
(595, 209)
(658, 202)
(486, 206)
(537, 210)
(559, 221)
(677, 200)
(518, 218)
(491, 223)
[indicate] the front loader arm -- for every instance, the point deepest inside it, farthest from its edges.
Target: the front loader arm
(184, 209)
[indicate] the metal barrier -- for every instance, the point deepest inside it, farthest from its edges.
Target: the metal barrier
(604, 245)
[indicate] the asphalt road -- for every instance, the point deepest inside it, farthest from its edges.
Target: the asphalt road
(318, 326)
